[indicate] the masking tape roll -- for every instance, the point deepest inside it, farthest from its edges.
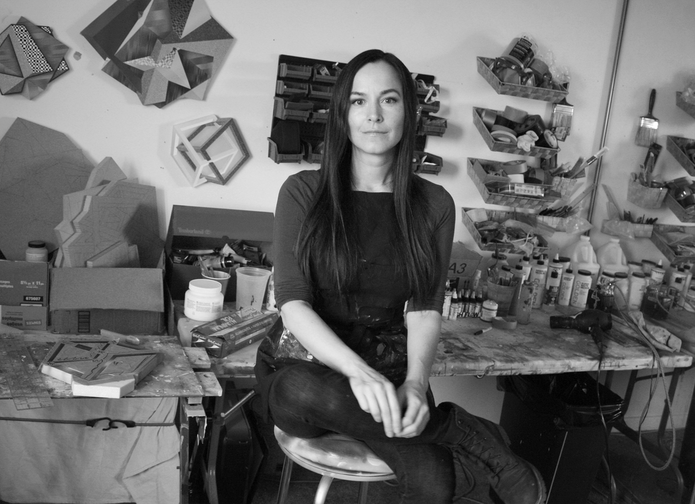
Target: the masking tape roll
(504, 323)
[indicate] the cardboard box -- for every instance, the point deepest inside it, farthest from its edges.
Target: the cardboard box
(123, 300)
(30, 318)
(208, 228)
(23, 283)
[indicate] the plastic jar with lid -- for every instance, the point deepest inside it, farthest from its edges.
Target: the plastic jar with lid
(489, 310)
(203, 300)
(36, 251)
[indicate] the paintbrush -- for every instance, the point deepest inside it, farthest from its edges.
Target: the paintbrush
(648, 125)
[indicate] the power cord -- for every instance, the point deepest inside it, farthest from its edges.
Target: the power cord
(660, 377)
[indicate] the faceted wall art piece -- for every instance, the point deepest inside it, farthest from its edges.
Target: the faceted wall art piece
(209, 149)
(30, 58)
(163, 50)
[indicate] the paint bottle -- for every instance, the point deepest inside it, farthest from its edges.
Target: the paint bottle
(566, 287)
(36, 251)
(656, 274)
(525, 264)
(580, 292)
(552, 288)
(539, 273)
(621, 290)
(638, 284)
(203, 300)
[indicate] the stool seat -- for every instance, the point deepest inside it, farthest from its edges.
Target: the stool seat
(333, 456)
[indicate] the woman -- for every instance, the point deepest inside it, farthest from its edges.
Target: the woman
(354, 243)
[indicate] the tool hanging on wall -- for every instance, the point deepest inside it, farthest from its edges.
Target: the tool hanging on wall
(648, 125)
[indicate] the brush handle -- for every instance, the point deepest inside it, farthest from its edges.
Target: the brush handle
(652, 99)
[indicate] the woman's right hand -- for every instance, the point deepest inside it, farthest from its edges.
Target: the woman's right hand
(377, 396)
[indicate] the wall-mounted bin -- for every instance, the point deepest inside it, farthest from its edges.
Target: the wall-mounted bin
(687, 107)
(479, 177)
(504, 88)
(522, 243)
(666, 236)
(509, 148)
(680, 147)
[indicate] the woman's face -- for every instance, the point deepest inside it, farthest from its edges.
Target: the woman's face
(376, 113)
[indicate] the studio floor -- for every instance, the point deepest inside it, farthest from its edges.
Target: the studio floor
(636, 482)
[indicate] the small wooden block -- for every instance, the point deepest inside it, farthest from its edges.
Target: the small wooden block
(208, 380)
(198, 357)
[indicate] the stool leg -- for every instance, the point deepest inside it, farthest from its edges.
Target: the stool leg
(285, 480)
(322, 490)
(362, 495)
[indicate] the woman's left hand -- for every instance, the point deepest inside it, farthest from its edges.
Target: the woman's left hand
(413, 400)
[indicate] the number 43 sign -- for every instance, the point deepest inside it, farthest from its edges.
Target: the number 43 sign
(463, 261)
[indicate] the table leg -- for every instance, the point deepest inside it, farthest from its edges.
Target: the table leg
(687, 454)
(184, 434)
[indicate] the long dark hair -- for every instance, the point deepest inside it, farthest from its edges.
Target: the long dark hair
(327, 238)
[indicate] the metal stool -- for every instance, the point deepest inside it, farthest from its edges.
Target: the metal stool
(332, 456)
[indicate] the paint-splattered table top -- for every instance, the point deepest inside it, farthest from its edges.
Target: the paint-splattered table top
(529, 349)
(174, 377)
(537, 349)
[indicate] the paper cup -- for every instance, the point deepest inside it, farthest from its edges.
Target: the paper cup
(220, 276)
(251, 284)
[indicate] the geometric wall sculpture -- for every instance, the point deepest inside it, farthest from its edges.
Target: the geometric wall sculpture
(209, 149)
(163, 50)
(30, 58)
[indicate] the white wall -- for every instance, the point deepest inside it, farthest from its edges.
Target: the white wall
(438, 37)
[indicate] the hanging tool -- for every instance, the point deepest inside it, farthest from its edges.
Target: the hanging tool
(648, 125)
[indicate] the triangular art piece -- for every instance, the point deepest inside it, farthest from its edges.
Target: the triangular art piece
(30, 58)
(163, 50)
(38, 166)
(209, 149)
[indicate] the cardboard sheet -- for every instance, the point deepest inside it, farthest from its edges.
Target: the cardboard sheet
(38, 166)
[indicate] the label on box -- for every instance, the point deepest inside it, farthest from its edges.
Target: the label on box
(233, 331)
(528, 190)
(25, 317)
(23, 283)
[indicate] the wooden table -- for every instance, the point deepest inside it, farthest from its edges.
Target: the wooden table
(173, 378)
(529, 349)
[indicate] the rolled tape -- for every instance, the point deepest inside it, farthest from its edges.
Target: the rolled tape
(513, 167)
(504, 323)
(489, 117)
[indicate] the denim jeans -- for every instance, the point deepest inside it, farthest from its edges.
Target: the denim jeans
(307, 400)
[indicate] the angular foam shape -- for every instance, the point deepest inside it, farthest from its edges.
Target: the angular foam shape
(163, 50)
(30, 58)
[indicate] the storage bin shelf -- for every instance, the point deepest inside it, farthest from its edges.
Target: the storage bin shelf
(509, 148)
(685, 106)
(478, 176)
(504, 88)
(677, 147)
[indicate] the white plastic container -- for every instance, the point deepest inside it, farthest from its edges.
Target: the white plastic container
(583, 257)
(36, 251)
(611, 258)
(203, 300)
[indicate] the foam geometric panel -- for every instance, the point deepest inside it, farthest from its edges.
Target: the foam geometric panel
(30, 58)
(209, 149)
(163, 50)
